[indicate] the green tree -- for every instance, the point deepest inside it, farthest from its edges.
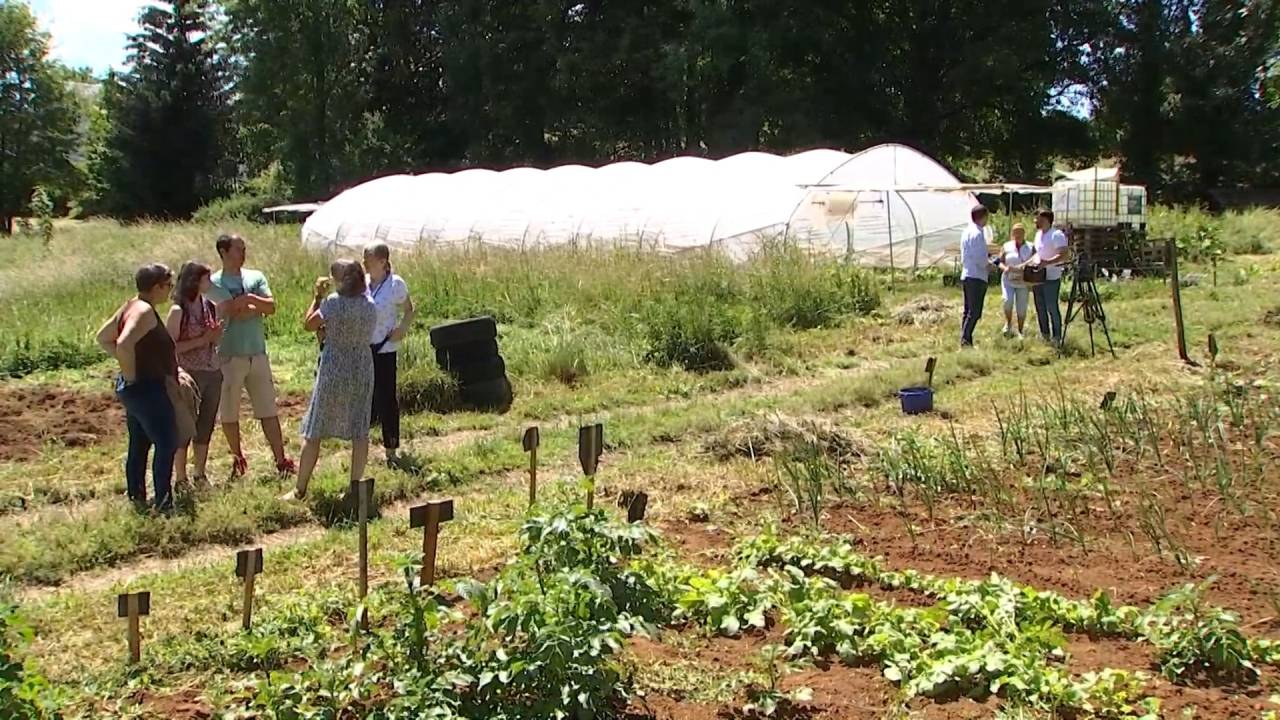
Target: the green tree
(38, 115)
(166, 151)
(1182, 92)
(317, 118)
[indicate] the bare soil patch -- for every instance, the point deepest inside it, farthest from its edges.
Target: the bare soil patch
(31, 417)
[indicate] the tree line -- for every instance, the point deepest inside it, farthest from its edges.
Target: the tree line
(301, 98)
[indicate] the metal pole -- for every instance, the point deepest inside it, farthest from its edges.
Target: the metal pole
(888, 214)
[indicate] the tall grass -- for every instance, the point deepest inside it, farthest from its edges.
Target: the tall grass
(1243, 232)
(595, 309)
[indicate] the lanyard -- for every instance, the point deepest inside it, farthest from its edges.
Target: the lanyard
(379, 288)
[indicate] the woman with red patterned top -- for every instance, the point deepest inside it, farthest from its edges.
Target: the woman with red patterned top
(194, 326)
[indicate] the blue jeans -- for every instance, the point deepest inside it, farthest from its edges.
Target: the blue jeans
(1048, 313)
(152, 426)
(975, 296)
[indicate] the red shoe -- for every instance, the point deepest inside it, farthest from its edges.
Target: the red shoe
(239, 466)
(286, 467)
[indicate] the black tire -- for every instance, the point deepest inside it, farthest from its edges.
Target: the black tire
(490, 395)
(468, 354)
(463, 332)
(480, 372)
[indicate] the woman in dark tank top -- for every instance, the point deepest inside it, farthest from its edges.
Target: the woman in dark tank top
(141, 345)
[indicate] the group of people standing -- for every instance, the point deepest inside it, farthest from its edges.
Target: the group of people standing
(180, 376)
(1048, 251)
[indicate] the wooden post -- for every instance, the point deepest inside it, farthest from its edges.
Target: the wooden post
(1213, 350)
(133, 606)
(590, 446)
(364, 491)
(248, 566)
(929, 366)
(428, 517)
(531, 441)
(1171, 255)
(635, 502)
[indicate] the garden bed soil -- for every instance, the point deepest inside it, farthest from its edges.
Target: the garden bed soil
(32, 417)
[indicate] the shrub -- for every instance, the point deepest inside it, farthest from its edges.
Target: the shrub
(695, 337)
(27, 356)
(269, 188)
(798, 291)
(696, 321)
(18, 687)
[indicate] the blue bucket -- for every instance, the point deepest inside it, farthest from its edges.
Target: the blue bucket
(916, 400)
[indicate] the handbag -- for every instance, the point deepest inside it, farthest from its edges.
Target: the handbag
(1034, 275)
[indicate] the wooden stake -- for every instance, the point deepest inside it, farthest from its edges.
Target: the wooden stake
(929, 366)
(531, 441)
(635, 502)
(590, 446)
(363, 491)
(1213, 349)
(428, 517)
(248, 566)
(133, 606)
(1171, 255)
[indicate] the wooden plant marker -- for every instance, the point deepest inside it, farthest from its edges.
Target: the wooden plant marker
(531, 440)
(133, 606)
(929, 367)
(635, 502)
(1107, 400)
(428, 517)
(248, 566)
(362, 491)
(590, 446)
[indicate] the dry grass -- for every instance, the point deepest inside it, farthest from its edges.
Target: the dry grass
(772, 433)
(925, 311)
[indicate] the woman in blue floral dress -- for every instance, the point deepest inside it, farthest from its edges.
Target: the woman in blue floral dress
(343, 391)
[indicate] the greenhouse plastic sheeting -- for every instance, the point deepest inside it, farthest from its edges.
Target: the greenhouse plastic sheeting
(684, 203)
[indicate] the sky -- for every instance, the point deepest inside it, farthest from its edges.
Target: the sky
(89, 33)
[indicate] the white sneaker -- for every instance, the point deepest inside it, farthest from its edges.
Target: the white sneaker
(1007, 331)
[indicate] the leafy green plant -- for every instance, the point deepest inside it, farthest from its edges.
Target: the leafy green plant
(22, 691)
(1197, 640)
(726, 602)
(768, 699)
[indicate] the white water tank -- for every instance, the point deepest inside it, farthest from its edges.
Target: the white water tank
(1092, 203)
(1133, 207)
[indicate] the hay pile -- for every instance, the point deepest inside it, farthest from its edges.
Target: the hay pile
(771, 434)
(924, 311)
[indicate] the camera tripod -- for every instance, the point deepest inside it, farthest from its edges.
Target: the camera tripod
(1084, 298)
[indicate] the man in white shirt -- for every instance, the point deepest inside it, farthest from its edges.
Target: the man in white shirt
(1051, 245)
(974, 266)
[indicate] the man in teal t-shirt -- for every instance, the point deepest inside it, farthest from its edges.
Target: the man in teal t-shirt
(244, 298)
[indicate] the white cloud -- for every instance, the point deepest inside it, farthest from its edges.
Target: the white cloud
(89, 32)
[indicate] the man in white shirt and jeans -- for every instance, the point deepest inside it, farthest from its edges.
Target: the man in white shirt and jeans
(975, 264)
(1051, 243)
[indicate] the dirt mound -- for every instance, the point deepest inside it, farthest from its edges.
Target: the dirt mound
(31, 417)
(924, 311)
(773, 433)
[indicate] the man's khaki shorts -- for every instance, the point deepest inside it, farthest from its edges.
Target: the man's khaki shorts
(253, 373)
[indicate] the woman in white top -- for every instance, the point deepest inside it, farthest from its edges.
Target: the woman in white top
(1013, 256)
(390, 295)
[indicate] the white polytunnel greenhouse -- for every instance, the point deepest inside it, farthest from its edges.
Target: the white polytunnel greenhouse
(887, 205)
